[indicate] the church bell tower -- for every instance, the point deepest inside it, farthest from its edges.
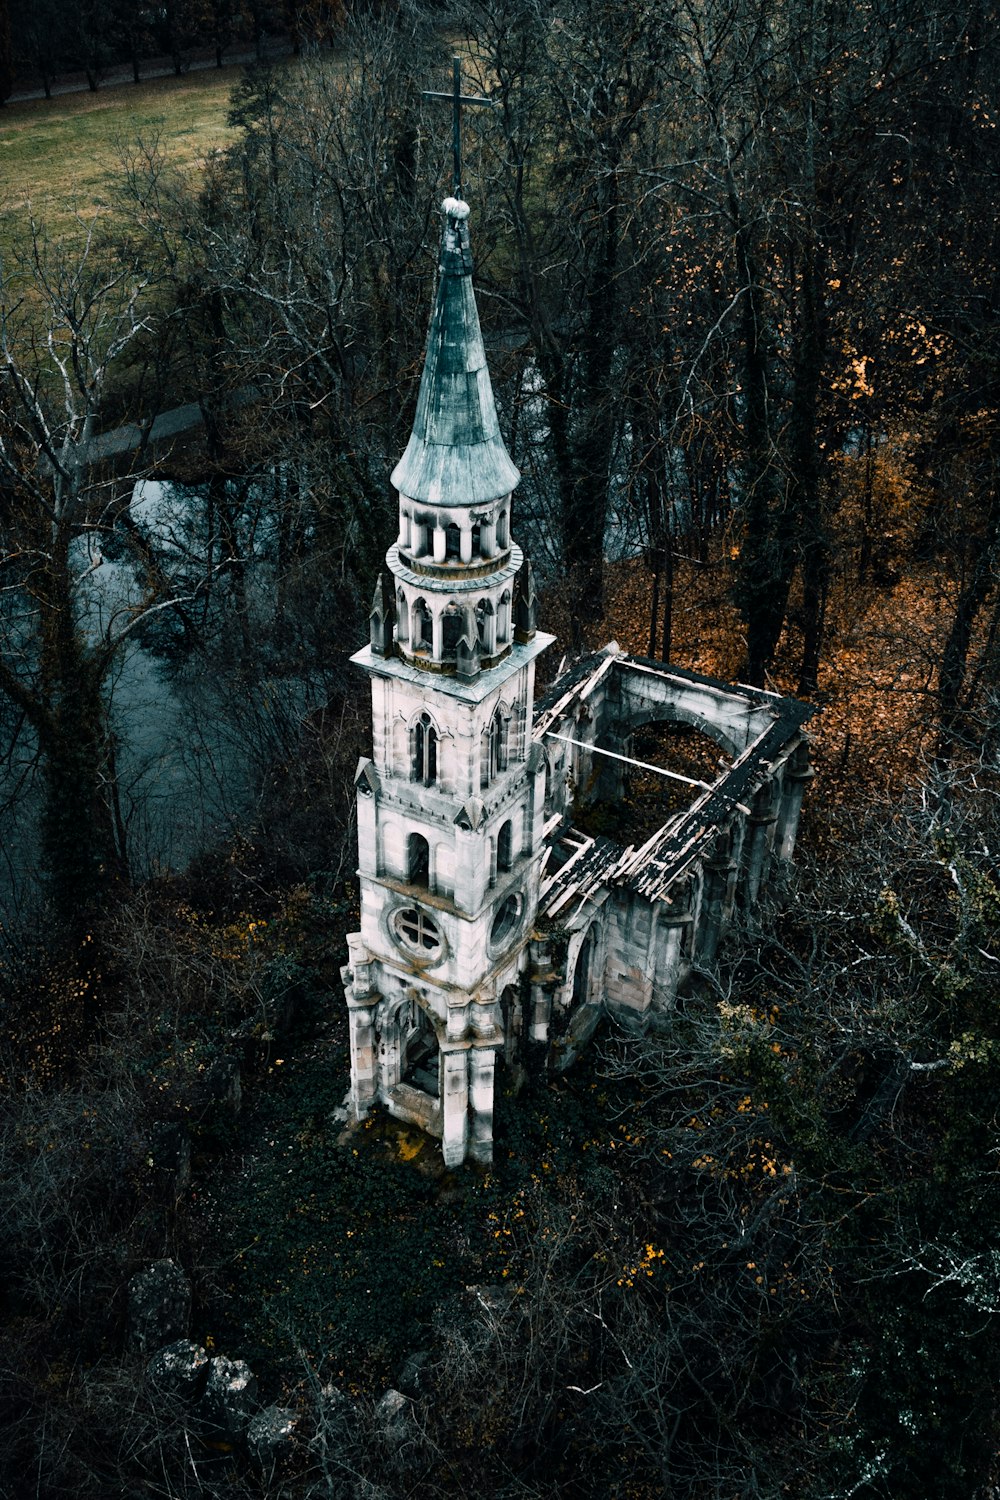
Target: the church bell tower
(450, 807)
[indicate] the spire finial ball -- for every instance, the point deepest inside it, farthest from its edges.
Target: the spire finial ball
(455, 208)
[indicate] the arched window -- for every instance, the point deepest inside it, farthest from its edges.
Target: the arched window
(505, 847)
(583, 974)
(451, 631)
(506, 920)
(476, 542)
(485, 627)
(422, 626)
(452, 541)
(503, 533)
(402, 617)
(425, 750)
(418, 860)
(495, 748)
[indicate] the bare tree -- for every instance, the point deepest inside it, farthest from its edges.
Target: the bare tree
(68, 318)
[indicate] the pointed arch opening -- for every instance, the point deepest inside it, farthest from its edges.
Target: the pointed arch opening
(505, 846)
(421, 1053)
(494, 753)
(583, 974)
(486, 627)
(425, 750)
(423, 626)
(451, 630)
(452, 542)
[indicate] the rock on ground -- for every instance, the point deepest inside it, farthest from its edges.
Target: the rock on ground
(180, 1370)
(230, 1398)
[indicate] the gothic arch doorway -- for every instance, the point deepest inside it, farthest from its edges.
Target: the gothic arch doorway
(422, 632)
(585, 972)
(421, 1060)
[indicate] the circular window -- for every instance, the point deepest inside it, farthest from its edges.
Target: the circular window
(505, 922)
(417, 931)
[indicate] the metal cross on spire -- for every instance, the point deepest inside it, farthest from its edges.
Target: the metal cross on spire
(457, 99)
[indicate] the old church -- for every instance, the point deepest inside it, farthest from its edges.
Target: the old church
(495, 914)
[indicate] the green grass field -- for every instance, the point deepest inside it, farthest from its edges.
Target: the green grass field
(60, 156)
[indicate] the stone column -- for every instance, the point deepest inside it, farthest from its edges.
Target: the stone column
(483, 1019)
(437, 628)
(465, 544)
(488, 538)
(716, 900)
(543, 978)
(440, 544)
(798, 775)
(762, 821)
(454, 1107)
(470, 870)
(361, 1018)
(482, 1067)
(390, 1054)
(367, 829)
(538, 767)
(503, 621)
(404, 529)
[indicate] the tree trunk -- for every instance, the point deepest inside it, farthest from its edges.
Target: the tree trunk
(654, 608)
(77, 844)
(585, 498)
(955, 657)
(667, 640)
(807, 511)
(765, 562)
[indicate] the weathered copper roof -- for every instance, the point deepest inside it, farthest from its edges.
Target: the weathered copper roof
(455, 455)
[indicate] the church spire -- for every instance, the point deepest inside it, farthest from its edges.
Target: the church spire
(455, 455)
